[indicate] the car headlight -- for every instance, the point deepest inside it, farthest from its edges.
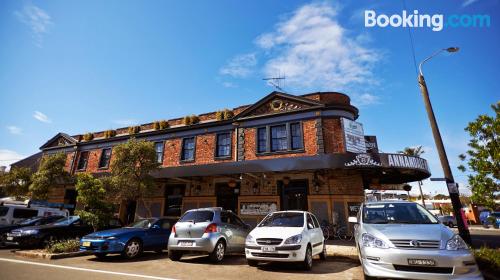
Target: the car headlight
(250, 239)
(294, 239)
(369, 240)
(456, 243)
(29, 232)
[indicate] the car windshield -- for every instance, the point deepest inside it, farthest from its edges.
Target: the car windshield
(142, 223)
(66, 221)
(397, 213)
(197, 216)
(286, 219)
(30, 221)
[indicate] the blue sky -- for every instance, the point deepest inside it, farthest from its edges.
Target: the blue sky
(80, 66)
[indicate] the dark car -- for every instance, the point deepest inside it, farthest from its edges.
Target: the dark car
(35, 221)
(39, 236)
(149, 234)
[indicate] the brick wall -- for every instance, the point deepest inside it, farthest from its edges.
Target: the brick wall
(333, 137)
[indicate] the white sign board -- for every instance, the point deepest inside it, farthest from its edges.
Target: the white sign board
(257, 208)
(354, 136)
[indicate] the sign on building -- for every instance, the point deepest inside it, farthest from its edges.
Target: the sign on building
(257, 208)
(354, 136)
(371, 144)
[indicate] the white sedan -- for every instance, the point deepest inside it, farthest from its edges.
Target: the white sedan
(286, 236)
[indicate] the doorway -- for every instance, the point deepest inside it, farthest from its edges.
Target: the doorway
(227, 197)
(173, 200)
(70, 199)
(294, 195)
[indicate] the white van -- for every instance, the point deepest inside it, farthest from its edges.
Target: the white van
(15, 213)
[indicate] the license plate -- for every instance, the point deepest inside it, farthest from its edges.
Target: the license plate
(10, 238)
(268, 249)
(86, 243)
(421, 262)
(186, 243)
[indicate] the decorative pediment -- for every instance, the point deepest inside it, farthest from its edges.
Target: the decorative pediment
(278, 102)
(60, 140)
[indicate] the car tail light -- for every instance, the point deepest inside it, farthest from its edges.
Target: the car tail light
(211, 228)
(173, 230)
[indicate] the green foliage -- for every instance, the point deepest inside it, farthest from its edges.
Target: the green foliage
(88, 136)
(131, 168)
(92, 195)
(412, 151)
(134, 130)
(488, 258)
(189, 120)
(483, 158)
(225, 114)
(157, 125)
(50, 173)
(109, 133)
(63, 246)
(16, 182)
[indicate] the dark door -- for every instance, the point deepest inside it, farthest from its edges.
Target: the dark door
(130, 216)
(70, 198)
(173, 200)
(294, 195)
(227, 197)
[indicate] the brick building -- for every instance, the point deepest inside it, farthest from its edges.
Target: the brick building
(283, 152)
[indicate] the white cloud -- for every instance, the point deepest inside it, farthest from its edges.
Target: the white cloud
(41, 117)
(364, 99)
(37, 20)
(125, 122)
(468, 2)
(229, 85)
(7, 157)
(14, 129)
(315, 52)
(240, 66)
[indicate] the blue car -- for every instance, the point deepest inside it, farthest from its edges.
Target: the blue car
(149, 234)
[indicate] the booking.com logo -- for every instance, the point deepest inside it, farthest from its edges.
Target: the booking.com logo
(437, 21)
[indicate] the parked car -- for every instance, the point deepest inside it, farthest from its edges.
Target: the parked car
(35, 221)
(483, 217)
(130, 241)
(448, 220)
(286, 236)
(11, 214)
(214, 231)
(490, 218)
(40, 236)
(400, 239)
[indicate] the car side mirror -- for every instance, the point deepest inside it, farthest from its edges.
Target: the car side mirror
(353, 220)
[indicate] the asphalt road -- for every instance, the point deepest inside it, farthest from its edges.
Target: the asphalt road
(484, 237)
(158, 266)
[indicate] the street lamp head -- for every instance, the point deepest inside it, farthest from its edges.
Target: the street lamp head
(452, 49)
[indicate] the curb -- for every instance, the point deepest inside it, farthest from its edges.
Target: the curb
(50, 256)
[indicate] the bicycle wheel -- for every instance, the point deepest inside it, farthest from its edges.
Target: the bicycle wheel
(326, 232)
(342, 233)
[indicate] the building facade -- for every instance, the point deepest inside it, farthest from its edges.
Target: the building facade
(283, 152)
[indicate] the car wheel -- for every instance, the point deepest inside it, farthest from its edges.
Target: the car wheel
(252, 263)
(307, 263)
(132, 249)
(174, 255)
(322, 255)
(219, 251)
(100, 255)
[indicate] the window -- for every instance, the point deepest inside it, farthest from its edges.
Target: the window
(279, 140)
(159, 151)
(20, 213)
(196, 216)
(3, 210)
(82, 161)
(105, 157)
(188, 149)
(296, 136)
(223, 145)
(262, 140)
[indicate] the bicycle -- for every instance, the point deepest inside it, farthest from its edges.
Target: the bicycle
(335, 231)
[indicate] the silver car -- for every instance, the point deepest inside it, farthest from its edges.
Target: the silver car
(213, 231)
(450, 221)
(400, 239)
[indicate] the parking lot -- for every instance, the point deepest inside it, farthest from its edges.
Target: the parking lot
(158, 266)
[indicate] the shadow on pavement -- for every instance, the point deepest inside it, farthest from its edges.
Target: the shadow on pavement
(331, 265)
(146, 256)
(228, 260)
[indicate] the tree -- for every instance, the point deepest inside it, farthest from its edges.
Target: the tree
(412, 151)
(50, 173)
(483, 158)
(93, 196)
(131, 167)
(16, 182)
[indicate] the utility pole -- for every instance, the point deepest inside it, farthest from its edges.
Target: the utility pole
(450, 181)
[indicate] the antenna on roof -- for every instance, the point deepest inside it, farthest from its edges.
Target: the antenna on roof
(277, 82)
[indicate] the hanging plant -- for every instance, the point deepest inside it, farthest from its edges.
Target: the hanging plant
(189, 120)
(157, 125)
(225, 114)
(88, 136)
(109, 133)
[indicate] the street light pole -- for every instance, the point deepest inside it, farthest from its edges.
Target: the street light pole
(450, 181)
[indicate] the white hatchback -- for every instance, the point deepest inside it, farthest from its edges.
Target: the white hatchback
(286, 236)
